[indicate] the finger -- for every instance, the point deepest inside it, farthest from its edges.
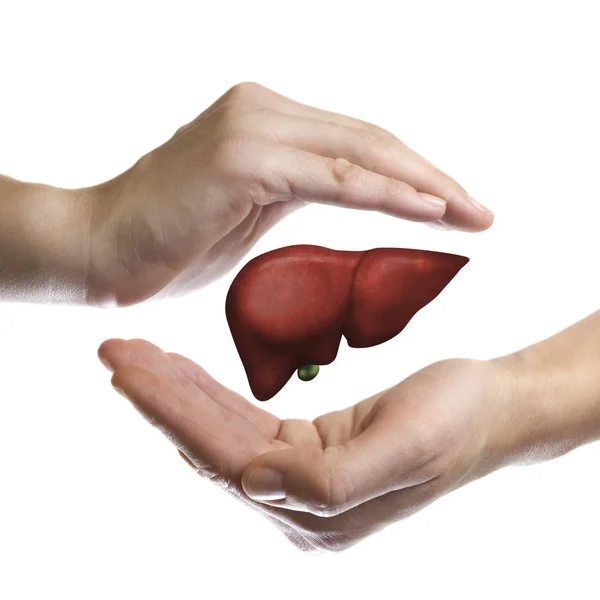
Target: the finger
(291, 107)
(181, 371)
(330, 481)
(266, 422)
(284, 173)
(385, 155)
(463, 212)
(173, 365)
(209, 436)
(117, 353)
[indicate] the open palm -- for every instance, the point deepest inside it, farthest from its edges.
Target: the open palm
(346, 474)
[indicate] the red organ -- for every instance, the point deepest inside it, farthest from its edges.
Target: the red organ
(289, 308)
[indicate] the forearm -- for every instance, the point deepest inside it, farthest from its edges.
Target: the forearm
(557, 391)
(44, 242)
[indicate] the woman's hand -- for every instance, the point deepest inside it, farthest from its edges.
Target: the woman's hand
(331, 482)
(188, 211)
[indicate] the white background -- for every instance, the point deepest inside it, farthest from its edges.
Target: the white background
(94, 503)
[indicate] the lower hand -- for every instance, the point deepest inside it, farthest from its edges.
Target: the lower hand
(349, 473)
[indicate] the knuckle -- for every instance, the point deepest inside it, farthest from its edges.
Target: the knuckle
(332, 487)
(246, 106)
(385, 135)
(378, 153)
(236, 102)
(377, 133)
(183, 129)
(246, 90)
(393, 188)
(323, 503)
(256, 192)
(382, 153)
(345, 173)
(367, 135)
(385, 148)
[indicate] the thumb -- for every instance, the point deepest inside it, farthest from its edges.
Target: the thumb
(329, 481)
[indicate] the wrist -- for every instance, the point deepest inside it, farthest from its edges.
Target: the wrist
(125, 262)
(44, 242)
(548, 411)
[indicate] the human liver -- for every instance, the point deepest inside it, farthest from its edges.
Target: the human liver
(290, 307)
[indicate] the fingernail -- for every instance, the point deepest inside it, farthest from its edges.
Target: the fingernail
(477, 205)
(433, 200)
(265, 483)
(440, 225)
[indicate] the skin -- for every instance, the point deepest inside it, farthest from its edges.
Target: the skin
(333, 481)
(189, 210)
(182, 216)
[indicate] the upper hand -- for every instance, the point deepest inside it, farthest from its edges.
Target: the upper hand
(188, 211)
(348, 473)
